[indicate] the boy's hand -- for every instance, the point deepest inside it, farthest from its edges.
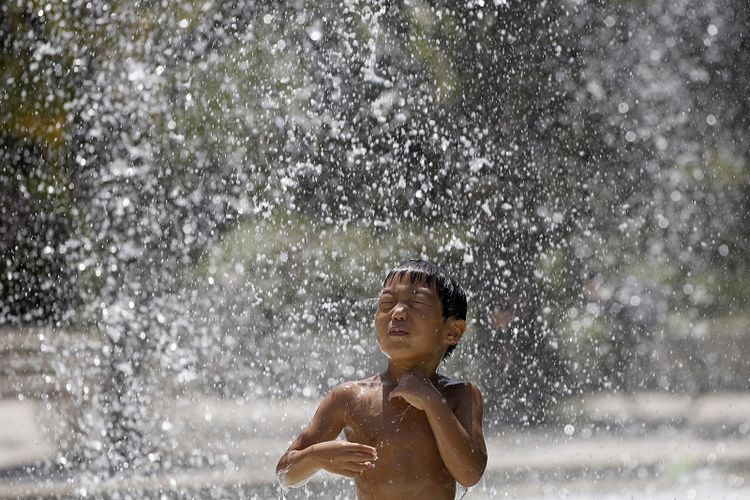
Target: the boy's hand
(415, 389)
(344, 458)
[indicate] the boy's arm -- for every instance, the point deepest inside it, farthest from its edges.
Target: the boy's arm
(459, 435)
(317, 448)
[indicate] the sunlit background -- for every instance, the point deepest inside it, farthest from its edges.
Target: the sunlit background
(199, 200)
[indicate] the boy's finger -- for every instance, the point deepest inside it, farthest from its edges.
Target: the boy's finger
(396, 395)
(351, 474)
(355, 468)
(359, 466)
(362, 448)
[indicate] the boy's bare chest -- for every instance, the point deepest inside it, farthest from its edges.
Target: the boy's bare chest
(388, 424)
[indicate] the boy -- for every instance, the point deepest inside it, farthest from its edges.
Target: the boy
(410, 432)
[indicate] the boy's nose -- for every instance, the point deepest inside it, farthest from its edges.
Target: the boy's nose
(399, 312)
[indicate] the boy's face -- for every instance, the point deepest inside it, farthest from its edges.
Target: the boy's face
(409, 322)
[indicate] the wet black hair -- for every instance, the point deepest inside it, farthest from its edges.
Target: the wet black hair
(452, 296)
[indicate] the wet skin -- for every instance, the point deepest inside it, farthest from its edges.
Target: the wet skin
(409, 464)
(410, 432)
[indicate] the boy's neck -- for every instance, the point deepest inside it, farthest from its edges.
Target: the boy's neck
(396, 370)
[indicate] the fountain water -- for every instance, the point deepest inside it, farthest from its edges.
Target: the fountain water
(201, 198)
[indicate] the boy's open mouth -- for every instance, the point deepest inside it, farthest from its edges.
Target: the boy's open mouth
(397, 332)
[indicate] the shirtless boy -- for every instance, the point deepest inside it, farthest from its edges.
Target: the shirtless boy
(411, 433)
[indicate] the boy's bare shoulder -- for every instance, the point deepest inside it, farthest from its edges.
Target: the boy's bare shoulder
(457, 390)
(455, 384)
(349, 390)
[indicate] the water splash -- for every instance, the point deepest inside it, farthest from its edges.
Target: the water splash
(400, 418)
(286, 487)
(174, 238)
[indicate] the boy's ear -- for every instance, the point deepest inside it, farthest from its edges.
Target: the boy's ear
(455, 329)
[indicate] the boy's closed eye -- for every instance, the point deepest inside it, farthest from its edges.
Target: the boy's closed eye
(386, 303)
(419, 303)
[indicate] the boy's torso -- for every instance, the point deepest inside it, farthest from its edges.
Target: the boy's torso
(409, 463)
